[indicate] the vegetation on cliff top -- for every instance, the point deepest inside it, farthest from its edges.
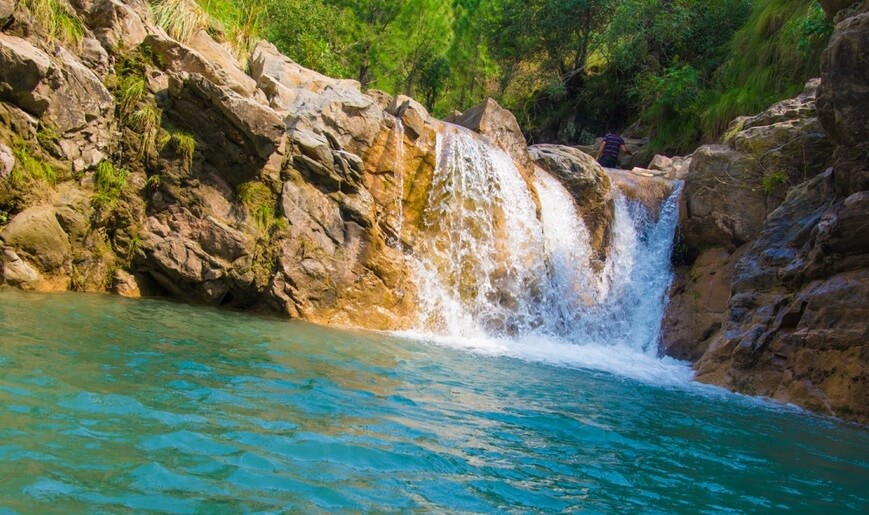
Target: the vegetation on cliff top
(567, 68)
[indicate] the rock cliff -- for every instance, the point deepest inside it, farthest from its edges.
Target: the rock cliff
(775, 221)
(148, 162)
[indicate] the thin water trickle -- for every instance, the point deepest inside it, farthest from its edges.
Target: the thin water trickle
(398, 134)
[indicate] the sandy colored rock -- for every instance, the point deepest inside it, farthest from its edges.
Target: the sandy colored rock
(118, 25)
(502, 129)
(24, 71)
(698, 303)
(16, 272)
(36, 233)
(125, 285)
(203, 57)
(650, 187)
(7, 161)
(7, 7)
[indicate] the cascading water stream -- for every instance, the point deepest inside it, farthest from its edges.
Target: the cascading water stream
(496, 276)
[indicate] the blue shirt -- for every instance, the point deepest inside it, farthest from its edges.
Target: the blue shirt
(612, 144)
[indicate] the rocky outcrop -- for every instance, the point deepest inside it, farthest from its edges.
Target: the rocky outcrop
(167, 168)
(794, 325)
(843, 93)
(795, 328)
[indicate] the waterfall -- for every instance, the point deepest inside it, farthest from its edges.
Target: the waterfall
(495, 275)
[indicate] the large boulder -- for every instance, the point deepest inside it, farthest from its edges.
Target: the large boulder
(500, 126)
(36, 233)
(649, 188)
(724, 204)
(78, 97)
(67, 92)
(201, 56)
(118, 25)
(7, 8)
(307, 100)
(25, 72)
(588, 183)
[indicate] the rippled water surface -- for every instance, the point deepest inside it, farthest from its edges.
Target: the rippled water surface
(108, 405)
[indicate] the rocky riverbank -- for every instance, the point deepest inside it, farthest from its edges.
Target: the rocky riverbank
(774, 300)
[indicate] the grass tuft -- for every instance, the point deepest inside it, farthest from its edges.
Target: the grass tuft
(259, 201)
(29, 168)
(146, 120)
(61, 25)
(182, 143)
(181, 19)
(109, 183)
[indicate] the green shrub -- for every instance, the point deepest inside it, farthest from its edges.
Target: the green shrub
(131, 91)
(109, 183)
(259, 201)
(146, 120)
(28, 167)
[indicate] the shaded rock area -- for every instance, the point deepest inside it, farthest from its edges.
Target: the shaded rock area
(774, 228)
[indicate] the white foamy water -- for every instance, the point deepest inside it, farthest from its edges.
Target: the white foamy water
(498, 278)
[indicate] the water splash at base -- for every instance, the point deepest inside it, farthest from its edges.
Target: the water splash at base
(497, 277)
